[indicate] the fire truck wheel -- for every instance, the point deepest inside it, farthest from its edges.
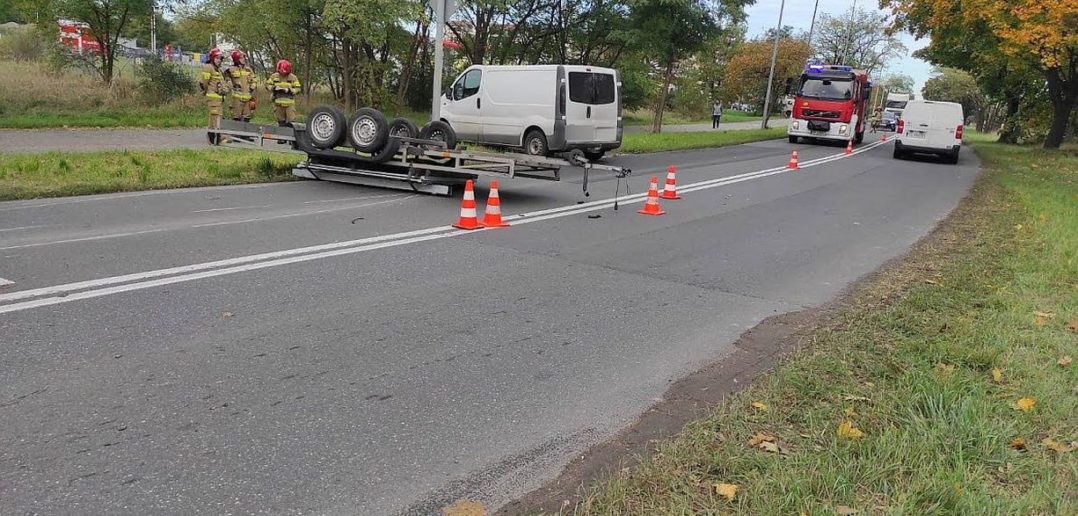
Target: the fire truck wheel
(793, 139)
(859, 138)
(403, 128)
(325, 127)
(368, 130)
(438, 130)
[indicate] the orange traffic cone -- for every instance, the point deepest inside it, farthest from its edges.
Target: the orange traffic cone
(468, 219)
(883, 137)
(651, 206)
(492, 217)
(793, 161)
(670, 188)
(849, 147)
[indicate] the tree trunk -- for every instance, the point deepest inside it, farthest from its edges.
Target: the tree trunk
(1009, 131)
(660, 107)
(1063, 95)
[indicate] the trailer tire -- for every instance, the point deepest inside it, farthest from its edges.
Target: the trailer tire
(368, 130)
(326, 126)
(403, 128)
(439, 131)
(388, 151)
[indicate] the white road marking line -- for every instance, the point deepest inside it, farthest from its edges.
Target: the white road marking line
(233, 208)
(20, 228)
(208, 224)
(254, 262)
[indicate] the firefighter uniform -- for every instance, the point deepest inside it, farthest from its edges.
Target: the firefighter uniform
(213, 85)
(284, 86)
(242, 80)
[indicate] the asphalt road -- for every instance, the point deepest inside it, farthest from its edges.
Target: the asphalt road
(322, 348)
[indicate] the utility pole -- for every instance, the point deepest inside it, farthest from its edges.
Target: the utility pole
(771, 74)
(153, 27)
(812, 26)
(443, 9)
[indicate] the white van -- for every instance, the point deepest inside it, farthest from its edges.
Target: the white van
(543, 109)
(930, 127)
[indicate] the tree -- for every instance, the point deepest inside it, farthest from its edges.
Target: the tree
(857, 38)
(954, 85)
(671, 30)
(745, 78)
(107, 20)
(1005, 39)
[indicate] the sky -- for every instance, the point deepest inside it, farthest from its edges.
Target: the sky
(764, 14)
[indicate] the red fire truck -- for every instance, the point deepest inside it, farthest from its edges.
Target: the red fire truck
(830, 104)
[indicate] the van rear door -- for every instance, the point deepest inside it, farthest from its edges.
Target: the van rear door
(579, 124)
(605, 111)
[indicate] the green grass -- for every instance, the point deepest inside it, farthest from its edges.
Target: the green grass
(28, 176)
(910, 362)
(635, 143)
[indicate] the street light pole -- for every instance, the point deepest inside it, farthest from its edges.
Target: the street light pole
(771, 74)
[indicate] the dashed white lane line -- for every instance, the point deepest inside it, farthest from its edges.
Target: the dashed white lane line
(233, 208)
(69, 292)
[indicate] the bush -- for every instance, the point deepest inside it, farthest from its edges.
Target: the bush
(161, 81)
(22, 44)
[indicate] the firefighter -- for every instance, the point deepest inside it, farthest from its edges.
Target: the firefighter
(213, 85)
(243, 87)
(284, 87)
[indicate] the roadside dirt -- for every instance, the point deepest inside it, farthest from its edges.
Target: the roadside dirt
(755, 352)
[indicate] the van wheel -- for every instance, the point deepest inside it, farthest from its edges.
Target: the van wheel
(535, 143)
(898, 154)
(793, 139)
(594, 155)
(368, 130)
(439, 131)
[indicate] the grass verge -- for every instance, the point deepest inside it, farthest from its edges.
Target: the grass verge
(646, 117)
(636, 143)
(28, 176)
(907, 401)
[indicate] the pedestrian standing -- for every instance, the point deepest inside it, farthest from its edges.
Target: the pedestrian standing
(716, 115)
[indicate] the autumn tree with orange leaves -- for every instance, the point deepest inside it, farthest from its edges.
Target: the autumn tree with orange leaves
(1003, 37)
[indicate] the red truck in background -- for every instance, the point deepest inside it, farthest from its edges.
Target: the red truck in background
(830, 104)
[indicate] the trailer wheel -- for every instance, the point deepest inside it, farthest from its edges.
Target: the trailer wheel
(325, 127)
(440, 131)
(388, 151)
(403, 128)
(368, 130)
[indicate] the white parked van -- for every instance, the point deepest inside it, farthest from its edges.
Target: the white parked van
(930, 127)
(543, 108)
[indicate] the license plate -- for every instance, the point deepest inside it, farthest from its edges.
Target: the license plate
(915, 134)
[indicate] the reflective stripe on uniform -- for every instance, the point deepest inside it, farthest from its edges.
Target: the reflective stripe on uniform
(241, 96)
(284, 102)
(214, 96)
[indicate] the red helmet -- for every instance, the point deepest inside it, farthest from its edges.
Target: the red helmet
(237, 56)
(284, 67)
(214, 54)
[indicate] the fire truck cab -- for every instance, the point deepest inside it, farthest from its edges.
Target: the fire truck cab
(830, 104)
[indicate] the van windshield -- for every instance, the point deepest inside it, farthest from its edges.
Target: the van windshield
(826, 89)
(591, 88)
(896, 104)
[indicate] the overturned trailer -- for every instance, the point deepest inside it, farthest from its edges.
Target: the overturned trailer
(403, 157)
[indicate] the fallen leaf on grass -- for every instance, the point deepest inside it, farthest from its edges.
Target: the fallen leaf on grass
(1025, 404)
(997, 375)
(842, 510)
(769, 446)
(1064, 361)
(851, 397)
(1072, 325)
(761, 438)
(465, 508)
(728, 491)
(931, 282)
(1040, 318)
(869, 384)
(945, 368)
(848, 411)
(847, 430)
(1018, 227)
(759, 405)
(1017, 444)
(1057, 446)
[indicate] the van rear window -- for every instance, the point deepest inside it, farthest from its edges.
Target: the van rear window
(591, 88)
